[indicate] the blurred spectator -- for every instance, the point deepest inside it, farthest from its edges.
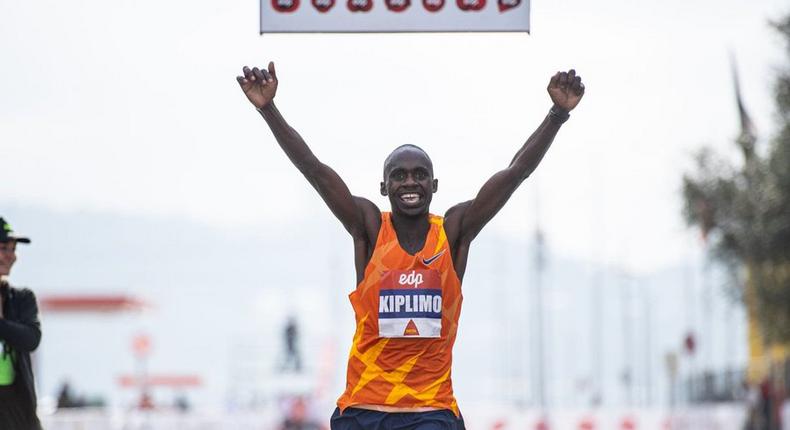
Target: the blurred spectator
(20, 334)
(753, 418)
(66, 398)
(182, 403)
(146, 402)
(292, 357)
(764, 404)
(297, 417)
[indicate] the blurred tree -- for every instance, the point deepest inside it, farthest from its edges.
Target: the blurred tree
(743, 212)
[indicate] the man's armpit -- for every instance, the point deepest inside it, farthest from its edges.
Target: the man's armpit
(371, 218)
(453, 221)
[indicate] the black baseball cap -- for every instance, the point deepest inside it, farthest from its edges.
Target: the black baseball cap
(7, 233)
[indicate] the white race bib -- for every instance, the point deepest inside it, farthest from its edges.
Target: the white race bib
(410, 304)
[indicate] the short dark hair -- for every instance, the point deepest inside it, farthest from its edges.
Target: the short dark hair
(388, 160)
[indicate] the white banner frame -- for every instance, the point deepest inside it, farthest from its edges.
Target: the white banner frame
(393, 16)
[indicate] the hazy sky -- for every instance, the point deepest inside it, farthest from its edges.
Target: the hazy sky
(132, 107)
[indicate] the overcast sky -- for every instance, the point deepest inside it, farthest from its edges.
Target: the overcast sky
(132, 107)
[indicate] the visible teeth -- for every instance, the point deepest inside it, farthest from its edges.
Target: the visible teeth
(410, 197)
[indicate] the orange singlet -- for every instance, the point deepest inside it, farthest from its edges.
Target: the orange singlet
(407, 310)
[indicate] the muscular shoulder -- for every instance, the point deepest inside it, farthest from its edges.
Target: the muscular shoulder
(453, 221)
(371, 218)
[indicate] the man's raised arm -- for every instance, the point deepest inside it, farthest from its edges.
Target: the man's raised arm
(565, 90)
(260, 87)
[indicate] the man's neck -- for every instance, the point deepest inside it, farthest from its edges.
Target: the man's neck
(407, 224)
(411, 231)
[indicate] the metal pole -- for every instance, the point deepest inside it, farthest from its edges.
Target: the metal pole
(625, 303)
(539, 323)
(596, 340)
(648, 346)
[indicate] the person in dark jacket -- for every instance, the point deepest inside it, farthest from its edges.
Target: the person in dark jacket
(20, 334)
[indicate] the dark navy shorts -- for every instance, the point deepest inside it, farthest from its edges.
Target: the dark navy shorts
(363, 419)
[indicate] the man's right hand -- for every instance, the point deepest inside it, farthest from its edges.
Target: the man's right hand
(259, 86)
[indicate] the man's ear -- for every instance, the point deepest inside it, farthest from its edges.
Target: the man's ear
(383, 189)
(435, 185)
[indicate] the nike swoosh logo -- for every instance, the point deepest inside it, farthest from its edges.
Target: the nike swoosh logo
(428, 261)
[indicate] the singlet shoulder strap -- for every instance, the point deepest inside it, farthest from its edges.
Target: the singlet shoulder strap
(385, 230)
(441, 240)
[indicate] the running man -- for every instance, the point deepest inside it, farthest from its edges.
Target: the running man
(409, 265)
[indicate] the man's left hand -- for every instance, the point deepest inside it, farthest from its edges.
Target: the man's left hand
(566, 89)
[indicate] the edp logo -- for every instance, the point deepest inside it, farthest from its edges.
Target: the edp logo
(411, 278)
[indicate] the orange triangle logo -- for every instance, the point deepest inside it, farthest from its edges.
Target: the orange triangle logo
(411, 329)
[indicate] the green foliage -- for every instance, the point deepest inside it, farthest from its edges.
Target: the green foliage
(744, 211)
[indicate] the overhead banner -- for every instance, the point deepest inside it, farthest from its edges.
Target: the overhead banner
(388, 16)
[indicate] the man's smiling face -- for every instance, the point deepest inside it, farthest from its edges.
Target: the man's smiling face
(408, 181)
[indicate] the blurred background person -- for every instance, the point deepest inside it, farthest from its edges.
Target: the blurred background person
(66, 398)
(20, 334)
(298, 418)
(292, 358)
